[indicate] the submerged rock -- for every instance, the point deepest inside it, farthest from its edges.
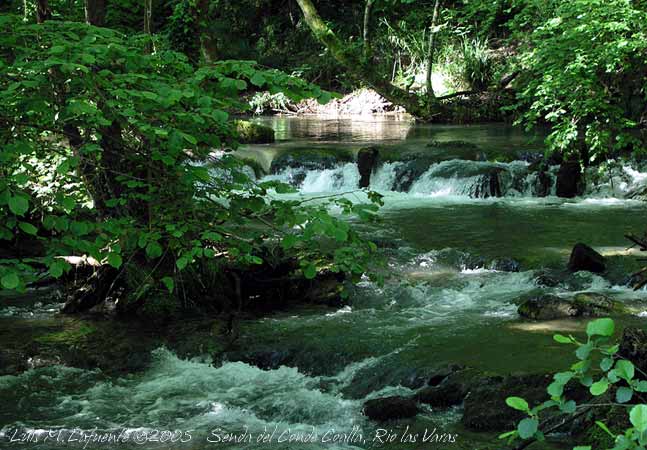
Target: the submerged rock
(448, 393)
(569, 179)
(549, 307)
(366, 161)
(252, 133)
(390, 408)
(584, 257)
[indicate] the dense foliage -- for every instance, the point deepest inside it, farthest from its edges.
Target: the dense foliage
(108, 153)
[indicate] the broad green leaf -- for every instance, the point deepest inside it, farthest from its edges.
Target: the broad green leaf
(18, 205)
(517, 403)
(527, 428)
(606, 364)
(28, 228)
(169, 283)
(601, 327)
(153, 250)
(115, 260)
(625, 369)
(599, 387)
(562, 339)
(310, 271)
(624, 394)
(638, 417)
(10, 281)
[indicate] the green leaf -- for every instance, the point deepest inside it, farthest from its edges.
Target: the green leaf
(582, 447)
(258, 79)
(182, 262)
(606, 364)
(517, 403)
(18, 205)
(569, 407)
(527, 428)
(604, 428)
(562, 339)
(624, 394)
(625, 369)
(599, 387)
(10, 281)
(169, 283)
(310, 271)
(153, 250)
(289, 241)
(638, 417)
(583, 351)
(28, 228)
(640, 386)
(115, 260)
(601, 327)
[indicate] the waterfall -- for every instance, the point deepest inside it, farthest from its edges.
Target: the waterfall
(459, 178)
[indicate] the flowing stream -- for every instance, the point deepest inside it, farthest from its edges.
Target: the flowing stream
(460, 258)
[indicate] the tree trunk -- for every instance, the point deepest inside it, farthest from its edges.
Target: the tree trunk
(368, 47)
(148, 16)
(205, 40)
(431, 48)
(95, 12)
(43, 12)
(363, 72)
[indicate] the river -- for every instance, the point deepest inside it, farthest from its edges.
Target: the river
(450, 300)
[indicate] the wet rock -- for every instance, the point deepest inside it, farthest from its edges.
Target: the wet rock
(488, 185)
(543, 184)
(569, 178)
(448, 393)
(38, 361)
(549, 278)
(307, 159)
(505, 265)
(366, 161)
(441, 374)
(390, 408)
(584, 257)
(633, 346)
(252, 133)
(549, 307)
(485, 408)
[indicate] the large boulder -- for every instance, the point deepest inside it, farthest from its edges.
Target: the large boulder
(569, 178)
(366, 161)
(584, 257)
(585, 304)
(390, 408)
(252, 133)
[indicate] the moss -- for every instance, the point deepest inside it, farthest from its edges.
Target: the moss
(252, 133)
(69, 336)
(255, 165)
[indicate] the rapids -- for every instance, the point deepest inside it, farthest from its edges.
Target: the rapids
(307, 372)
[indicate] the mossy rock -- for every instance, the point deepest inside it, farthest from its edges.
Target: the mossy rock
(71, 336)
(252, 133)
(585, 304)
